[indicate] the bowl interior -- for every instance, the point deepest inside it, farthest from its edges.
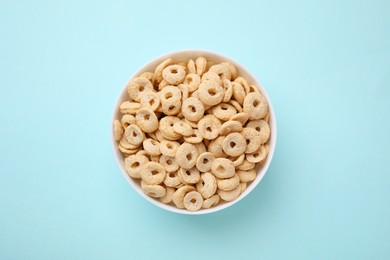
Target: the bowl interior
(209, 55)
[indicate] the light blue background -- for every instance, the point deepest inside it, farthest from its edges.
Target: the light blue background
(325, 65)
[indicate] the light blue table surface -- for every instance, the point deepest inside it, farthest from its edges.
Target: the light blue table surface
(325, 65)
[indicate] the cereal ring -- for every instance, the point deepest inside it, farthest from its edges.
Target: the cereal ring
(262, 128)
(167, 198)
(183, 128)
(246, 166)
(152, 173)
(230, 127)
(125, 151)
(169, 163)
(228, 184)
(240, 117)
(193, 109)
(146, 120)
(128, 107)
(236, 105)
(133, 165)
(134, 135)
(232, 68)
(150, 101)
(195, 138)
(215, 147)
(209, 127)
(192, 81)
(234, 144)
(253, 88)
(151, 146)
(224, 111)
(201, 64)
(222, 70)
(159, 136)
(191, 66)
(238, 92)
(223, 168)
(255, 105)
(148, 75)
(210, 202)
(163, 84)
(204, 161)
(200, 147)
(157, 77)
(207, 185)
(127, 120)
(238, 160)
(186, 155)
(125, 144)
(118, 130)
(169, 148)
(253, 139)
(257, 156)
(155, 191)
(138, 86)
(184, 92)
(178, 195)
(193, 201)
(211, 76)
(189, 176)
(243, 186)
(247, 176)
(230, 195)
(174, 74)
(228, 89)
(170, 92)
(166, 130)
(171, 106)
(172, 179)
(243, 83)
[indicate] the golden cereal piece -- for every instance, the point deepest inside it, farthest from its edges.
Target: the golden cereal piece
(223, 168)
(238, 92)
(262, 128)
(193, 201)
(201, 64)
(133, 165)
(211, 76)
(178, 195)
(234, 144)
(189, 176)
(246, 166)
(134, 135)
(230, 127)
(118, 130)
(210, 202)
(210, 93)
(215, 147)
(152, 173)
(223, 111)
(169, 163)
(243, 186)
(228, 89)
(171, 107)
(150, 101)
(155, 191)
(127, 120)
(240, 117)
(237, 160)
(236, 105)
(191, 66)
(166, 128)
(247, 176)
(157, 77)
(243, 83)
(192, 81)
(147, 120)
(148, 75)
(232, 68)
(222, 70)
(186, 155)
(125, 144)
(255, 105)
(229, 183)
(195, 138)
(125, 151)
(151, 146)
(169, 148)
(253, 139)
(128, 107)
(138, 86)
(193, 109)
(172, 179)
(201, 147)
(183, 128)
(207, 185)
(209, 127)
(230, 195)
(163, 84)
(204, 161)
(174, 74)
(167, 198)
(257, 156)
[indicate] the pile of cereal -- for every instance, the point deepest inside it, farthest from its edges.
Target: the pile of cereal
(193, 132)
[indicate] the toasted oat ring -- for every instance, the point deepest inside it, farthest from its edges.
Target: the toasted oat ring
(169, 148)
(243, 186)
(207, 185)
(193, 109)
(148, 75)
(229, 183)
(169, 92)
(228, 88)
(232, 68)
(153, 190)
(118, 130)
(222, 70)
(224, 111)
(157, 77)
(238, 160)
(195, 138)
(169, 163)
(204, 161)
(253, 88)
(234, 144)
(127, 120)
(201, 64)
(183, 128)
(125, 151)
(244, 83)
(128, 107)
(184, 92)
(262, 128)
(193, 201)
(191, 66)
(186, 155)
(172, 179)
(257, 156)
(152, 173)
(133, 165)
(210, 202)
(230, 127)
(134, 135)
(236, 105)
(230, 195)
(167, 198)
(166, 128)
(171, 106)
(138, 86)
(150, 101)
(246, 166)
(211, 76)
(125, 144)
(215, 147)
(189, 176)
(240, 117)
(174, 74)
(238, 92)
(151, 146)
(209, 127)
(255, 105)
(223, 168)
(253, 139)
(147, 120)
(247, 176)
(178, 195)
(192, 81)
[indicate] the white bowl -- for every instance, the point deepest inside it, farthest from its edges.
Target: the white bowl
(242, 71)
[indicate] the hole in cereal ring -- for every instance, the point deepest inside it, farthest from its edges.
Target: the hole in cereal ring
(172, 175)
(258, 129)
(169, 146)
(169, 162)
(189, 79)
(174, 71)
(212, 91)
(255, 155)
(208, 129)
(171, 123)
(147, 117)
(154, 142)
(224, 108)
(193, 109)
(205, 160)
(203, 183)
(220, 169)
(256, 103)
(232, 144)
(193, 200)
(151, 102)
(134, 164)
(248, 141)
(134, 134)
(189, 157)
(168, 95)
(154, 172)
(152, 194)
(171, 107)
(188, 172)
(141, 88)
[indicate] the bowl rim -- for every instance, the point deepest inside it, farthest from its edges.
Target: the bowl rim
(260, 172)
